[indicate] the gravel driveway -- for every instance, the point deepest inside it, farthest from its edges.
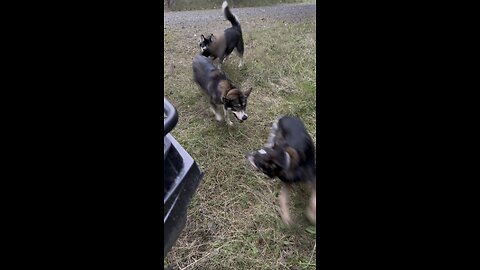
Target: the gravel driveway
(248, 17)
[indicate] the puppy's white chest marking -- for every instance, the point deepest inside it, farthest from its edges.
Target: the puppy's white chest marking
(271, 136)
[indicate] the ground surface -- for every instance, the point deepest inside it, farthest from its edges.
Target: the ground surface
(289, 12)
(233, 220)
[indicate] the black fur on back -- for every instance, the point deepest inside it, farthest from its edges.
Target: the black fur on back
(207, 76)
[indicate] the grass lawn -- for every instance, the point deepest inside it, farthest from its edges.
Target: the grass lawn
(233, 220)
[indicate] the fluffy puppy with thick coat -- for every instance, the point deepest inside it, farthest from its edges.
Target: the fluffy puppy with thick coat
(221, 45)
(220, 90)
(289, 155)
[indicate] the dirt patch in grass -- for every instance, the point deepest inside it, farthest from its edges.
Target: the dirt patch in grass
(233, 220)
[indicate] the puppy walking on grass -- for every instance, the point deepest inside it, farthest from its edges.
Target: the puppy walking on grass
(221, 45)
(220, 90)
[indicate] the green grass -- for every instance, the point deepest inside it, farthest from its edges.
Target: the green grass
(213, 4)
(233, 220)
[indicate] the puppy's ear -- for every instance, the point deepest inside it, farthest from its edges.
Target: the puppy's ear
(232, 94)
(247, 93)
(294, 158)
(224, 87)
(212, 38)
(202, 38)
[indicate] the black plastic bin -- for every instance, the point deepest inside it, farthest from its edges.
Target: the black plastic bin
(181, 178)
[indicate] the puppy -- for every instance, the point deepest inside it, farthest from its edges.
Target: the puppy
(290, 156)
(221, 45)
(220, 90)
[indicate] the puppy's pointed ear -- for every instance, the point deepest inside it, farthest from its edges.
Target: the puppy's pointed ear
(294, 158)
(224, 87)
(202, 38)
(212, 38)
(247, 93)
(232, 94)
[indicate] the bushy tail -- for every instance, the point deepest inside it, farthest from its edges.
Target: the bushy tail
(230, 16)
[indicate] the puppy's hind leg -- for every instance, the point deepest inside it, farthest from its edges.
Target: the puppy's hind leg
(239, 51)
(283, 200)
(312, 206)
(241, 63)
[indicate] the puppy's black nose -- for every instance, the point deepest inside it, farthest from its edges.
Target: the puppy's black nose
(244, 117)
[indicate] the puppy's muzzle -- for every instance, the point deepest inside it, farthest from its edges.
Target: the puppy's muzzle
(241, 116)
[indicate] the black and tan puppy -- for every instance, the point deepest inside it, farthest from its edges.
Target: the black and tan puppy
(220, 90)
(221, 45)
(290, 156)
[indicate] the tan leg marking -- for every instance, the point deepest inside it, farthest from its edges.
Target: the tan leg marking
(312, 207)
(283, 199)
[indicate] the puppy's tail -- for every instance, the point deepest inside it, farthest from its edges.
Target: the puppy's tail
(230, 16)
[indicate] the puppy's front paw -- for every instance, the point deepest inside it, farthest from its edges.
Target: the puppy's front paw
(286, 217)
(218, 117)
(230, 123)
(287, 220)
